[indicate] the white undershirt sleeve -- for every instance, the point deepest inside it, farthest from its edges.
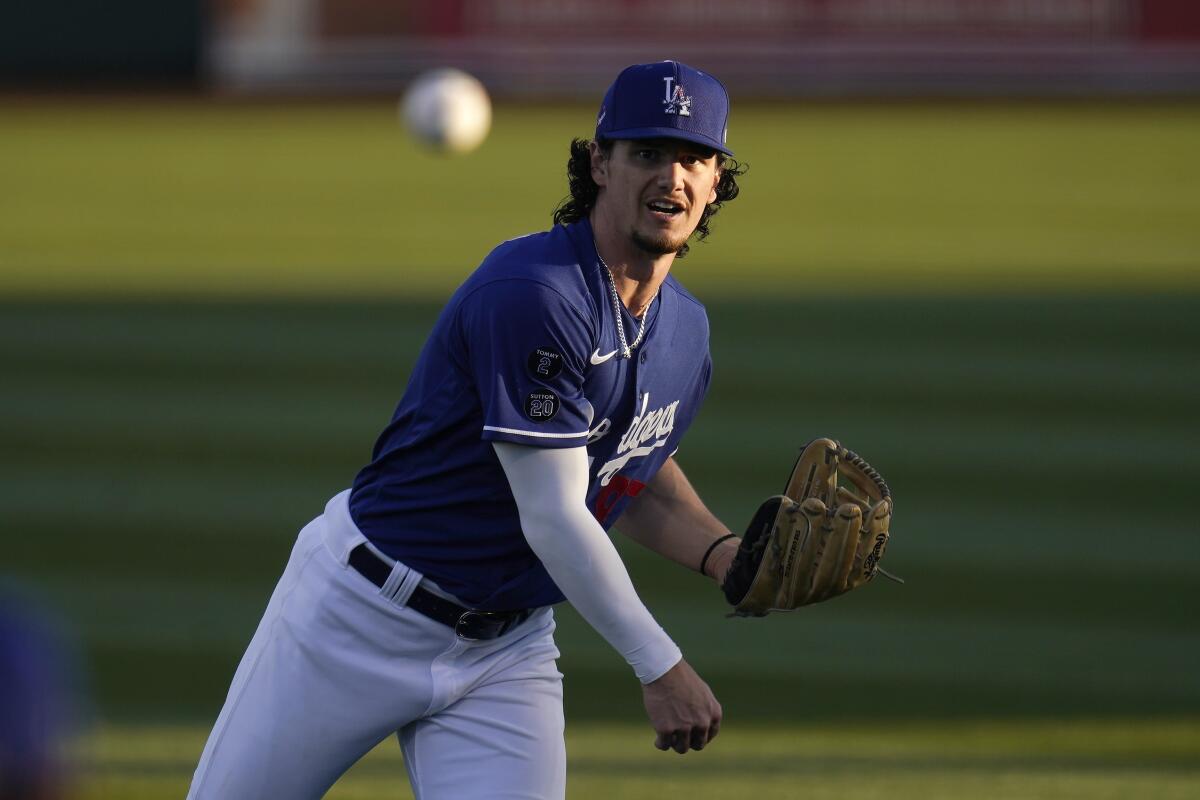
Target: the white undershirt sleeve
(550, 487)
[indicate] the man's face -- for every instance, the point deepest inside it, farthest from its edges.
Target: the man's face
(654, 190)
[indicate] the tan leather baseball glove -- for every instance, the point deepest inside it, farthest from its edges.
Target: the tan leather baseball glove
(824, 536)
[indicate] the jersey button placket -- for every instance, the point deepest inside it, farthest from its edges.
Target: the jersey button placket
(639, 383)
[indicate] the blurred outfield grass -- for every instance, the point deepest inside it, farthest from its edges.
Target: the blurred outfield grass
(1096, 759)
(224, 198)
(207, 312)
(159, 458)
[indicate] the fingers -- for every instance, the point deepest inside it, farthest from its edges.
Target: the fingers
(682, 741)
(695, 738)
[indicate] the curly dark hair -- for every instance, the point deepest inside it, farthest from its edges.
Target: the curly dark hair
(584, 190)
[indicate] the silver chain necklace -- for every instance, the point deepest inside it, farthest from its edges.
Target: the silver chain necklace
(626, 349)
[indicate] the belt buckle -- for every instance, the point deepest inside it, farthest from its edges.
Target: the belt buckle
(467, 627)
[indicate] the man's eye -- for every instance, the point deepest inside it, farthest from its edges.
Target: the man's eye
(649, 155)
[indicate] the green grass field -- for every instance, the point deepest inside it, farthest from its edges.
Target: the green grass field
(208, 311)
(210, 198)
(1097, 759)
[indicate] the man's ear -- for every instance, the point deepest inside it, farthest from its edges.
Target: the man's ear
(712, 196)
(599, 164)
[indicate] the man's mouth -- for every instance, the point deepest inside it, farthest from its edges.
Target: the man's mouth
(665, 208)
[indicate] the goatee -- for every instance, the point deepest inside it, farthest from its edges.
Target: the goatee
(659, 245)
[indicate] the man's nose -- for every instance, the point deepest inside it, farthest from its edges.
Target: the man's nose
(670, 177)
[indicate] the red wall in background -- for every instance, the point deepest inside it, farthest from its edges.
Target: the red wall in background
(555, 48)
(717, 20)
(1177, 20)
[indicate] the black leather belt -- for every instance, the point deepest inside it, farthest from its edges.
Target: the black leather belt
(468, 623)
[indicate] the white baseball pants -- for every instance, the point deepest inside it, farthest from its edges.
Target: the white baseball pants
(337, 665)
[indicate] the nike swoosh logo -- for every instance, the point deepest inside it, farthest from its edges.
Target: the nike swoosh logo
(596, 358)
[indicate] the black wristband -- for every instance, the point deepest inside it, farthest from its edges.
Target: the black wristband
(712, 547)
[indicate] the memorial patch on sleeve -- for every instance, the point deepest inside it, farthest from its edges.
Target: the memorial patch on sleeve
(541, 406)
(545, 363)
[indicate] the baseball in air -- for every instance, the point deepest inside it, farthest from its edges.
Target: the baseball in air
(448, 110)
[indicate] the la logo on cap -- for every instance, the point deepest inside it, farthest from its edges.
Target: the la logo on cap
(675, 101)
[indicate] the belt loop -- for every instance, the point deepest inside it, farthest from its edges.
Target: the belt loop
(400, 583)
(407, 586)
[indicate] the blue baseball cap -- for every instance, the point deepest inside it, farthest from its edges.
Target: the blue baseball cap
(666, 99)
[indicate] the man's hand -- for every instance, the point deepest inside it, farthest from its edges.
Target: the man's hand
(682, 710)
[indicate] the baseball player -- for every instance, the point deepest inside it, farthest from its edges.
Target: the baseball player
(545, 408)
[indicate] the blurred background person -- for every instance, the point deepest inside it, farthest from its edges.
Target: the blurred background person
(38, 702)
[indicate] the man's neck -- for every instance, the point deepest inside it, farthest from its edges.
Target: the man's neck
(636, 273)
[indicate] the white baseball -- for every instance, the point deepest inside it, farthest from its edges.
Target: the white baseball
(448, 110)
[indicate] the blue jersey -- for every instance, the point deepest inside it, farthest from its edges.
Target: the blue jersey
(526, 351)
